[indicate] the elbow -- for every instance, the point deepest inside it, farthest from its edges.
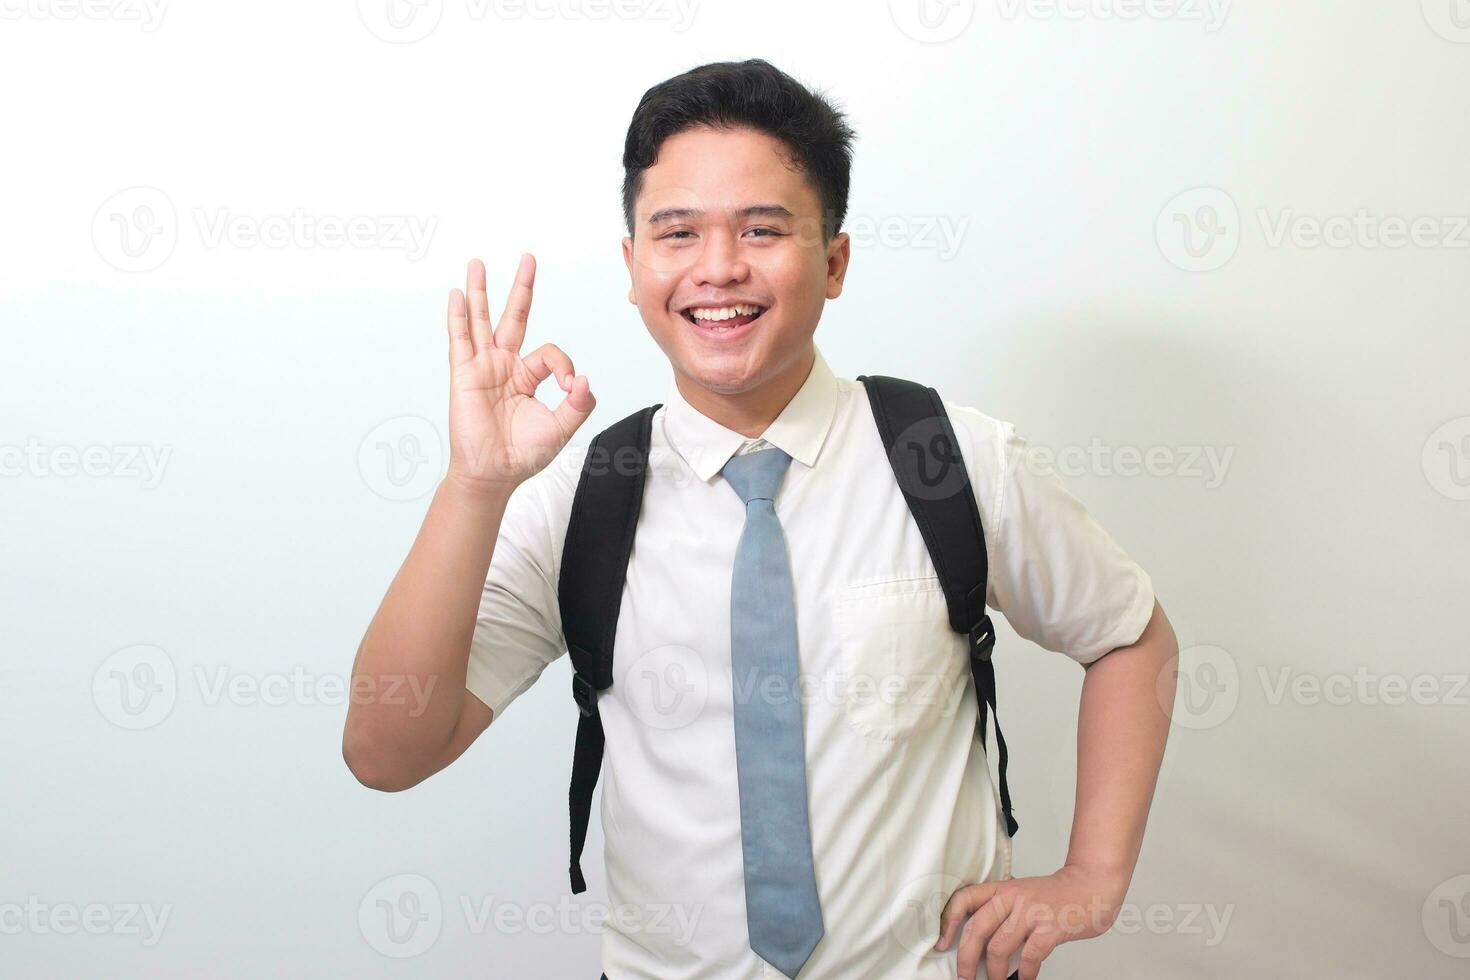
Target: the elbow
(374, 767)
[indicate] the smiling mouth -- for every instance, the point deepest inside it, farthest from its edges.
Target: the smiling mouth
(722, 319)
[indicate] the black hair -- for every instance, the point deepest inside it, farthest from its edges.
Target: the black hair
(753, 93)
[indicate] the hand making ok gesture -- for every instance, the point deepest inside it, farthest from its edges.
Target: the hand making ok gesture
(499, 433)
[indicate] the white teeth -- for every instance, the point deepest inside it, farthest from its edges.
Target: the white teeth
(724, 312)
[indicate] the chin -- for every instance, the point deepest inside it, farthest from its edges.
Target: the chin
(725, 374)
(715, 377)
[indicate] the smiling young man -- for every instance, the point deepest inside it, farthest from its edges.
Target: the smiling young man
(792, 782)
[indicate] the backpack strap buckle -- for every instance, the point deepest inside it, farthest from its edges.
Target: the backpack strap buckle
(982, 639)
(584, 694)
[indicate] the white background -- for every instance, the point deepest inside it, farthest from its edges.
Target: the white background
(1078, 295)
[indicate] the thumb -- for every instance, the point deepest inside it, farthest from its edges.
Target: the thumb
(576, 406)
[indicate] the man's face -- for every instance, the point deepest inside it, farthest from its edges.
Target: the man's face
(723, 221)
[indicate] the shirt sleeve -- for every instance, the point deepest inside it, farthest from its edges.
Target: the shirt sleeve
(1058, 577)
(518, 628)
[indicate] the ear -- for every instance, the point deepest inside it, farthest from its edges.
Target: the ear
(839, 253)
(628, 261)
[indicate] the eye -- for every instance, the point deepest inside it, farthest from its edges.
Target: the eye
(764, 232)
(676, 234)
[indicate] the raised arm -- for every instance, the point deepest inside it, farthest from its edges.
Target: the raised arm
(419, 639)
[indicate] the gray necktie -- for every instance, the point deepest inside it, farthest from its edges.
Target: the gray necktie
(781, 906)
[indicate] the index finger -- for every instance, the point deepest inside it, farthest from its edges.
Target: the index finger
(964, 901)
(461, 348)
(510, 330)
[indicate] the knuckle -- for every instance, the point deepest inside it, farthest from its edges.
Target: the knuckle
(1031, 957)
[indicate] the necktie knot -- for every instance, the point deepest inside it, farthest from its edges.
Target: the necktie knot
(757, 475)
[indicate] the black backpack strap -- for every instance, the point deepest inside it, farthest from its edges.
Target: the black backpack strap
(598, 543)
(926, 459)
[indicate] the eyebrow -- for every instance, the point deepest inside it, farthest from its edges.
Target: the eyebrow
(671, 214)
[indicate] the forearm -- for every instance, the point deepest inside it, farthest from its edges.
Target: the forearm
(418, 642)
(1123, 725)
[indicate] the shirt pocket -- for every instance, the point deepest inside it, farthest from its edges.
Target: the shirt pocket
(903, 667)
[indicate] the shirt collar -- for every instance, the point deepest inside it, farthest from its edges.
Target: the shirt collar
(799, 430)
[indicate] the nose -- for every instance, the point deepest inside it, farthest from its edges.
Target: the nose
(720, 262)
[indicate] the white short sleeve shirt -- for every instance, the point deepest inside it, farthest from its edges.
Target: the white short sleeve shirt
(902, 806)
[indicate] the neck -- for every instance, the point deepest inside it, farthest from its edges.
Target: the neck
(751, 412)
